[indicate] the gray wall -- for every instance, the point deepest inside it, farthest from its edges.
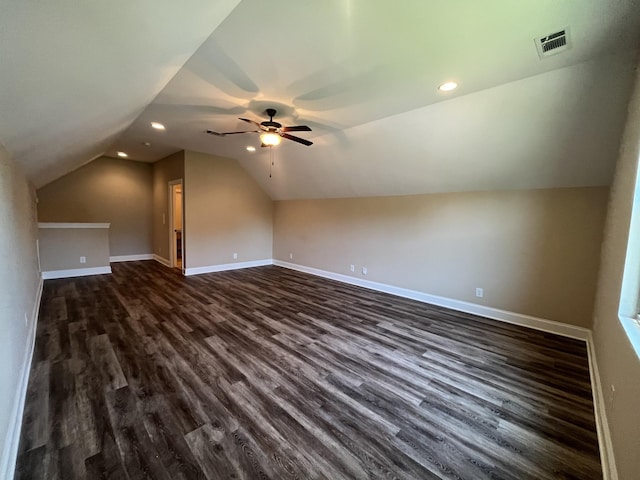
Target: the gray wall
(107, 190)
(61, 248)
(19, 282)
(226, 212)
(533, 252)
(618, 363)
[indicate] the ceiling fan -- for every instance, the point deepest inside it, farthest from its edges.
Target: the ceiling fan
(270, 132)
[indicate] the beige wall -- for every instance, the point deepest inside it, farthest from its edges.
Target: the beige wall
(164, 171)
(61, 248)
(19, 281)
(226, 212)
(533, 252)
(618, 363)
(106, 190)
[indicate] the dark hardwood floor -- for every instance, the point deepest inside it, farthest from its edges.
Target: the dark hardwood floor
(271, 373)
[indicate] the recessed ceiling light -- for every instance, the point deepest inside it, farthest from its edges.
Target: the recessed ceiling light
(157, 126)
(146, 144)
(251, 149)
(122, 154)
(448, 86)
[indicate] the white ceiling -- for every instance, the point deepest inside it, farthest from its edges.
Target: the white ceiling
(362, 73)
(75, 74)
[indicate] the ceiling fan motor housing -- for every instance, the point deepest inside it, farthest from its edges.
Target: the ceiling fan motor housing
(272, 113)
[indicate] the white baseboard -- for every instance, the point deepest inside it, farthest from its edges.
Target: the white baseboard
(227, 266)
(75, 272)
(607, 458)
(131, 258)
(12, 441)
(459, 305)
(164, 261)
(604, 438)
(9, 455)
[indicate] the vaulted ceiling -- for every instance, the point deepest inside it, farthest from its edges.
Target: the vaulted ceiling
(79, 80)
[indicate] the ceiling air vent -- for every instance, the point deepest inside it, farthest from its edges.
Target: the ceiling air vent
(553, 43)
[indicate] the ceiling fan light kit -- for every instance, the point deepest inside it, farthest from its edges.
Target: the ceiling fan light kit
(270, 139)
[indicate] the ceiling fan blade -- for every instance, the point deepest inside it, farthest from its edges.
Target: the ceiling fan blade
(222, 134)
(215, 133)
(251, 121)
(297, 139)
(246, 131)
(300, 128)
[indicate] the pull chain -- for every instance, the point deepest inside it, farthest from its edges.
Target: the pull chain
(270, 159)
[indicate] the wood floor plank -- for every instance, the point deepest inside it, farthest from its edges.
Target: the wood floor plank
(31, 464)
(137, 452)
(206, 444)
(269, 373)
(103, 355)
(107, 464)
(35, 422)
(164, 432)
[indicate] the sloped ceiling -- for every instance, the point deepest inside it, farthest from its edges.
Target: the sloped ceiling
(74, 75)
(362, 73)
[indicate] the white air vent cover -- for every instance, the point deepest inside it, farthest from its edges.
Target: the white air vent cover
(553, 43)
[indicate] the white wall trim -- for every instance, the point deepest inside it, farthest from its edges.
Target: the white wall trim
(72, 225)
(227, 266)
(75, 272)
(459, 305)
(607, 458)
(9, 455)
(131, 258)
(12, 441)
(162, 260)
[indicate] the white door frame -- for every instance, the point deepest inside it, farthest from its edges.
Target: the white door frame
(172, 233)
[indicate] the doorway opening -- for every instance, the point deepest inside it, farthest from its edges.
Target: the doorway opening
(176, 230)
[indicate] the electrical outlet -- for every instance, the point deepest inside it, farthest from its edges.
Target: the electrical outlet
(479, 292)
(235, 256)
(290, 256)
(364, 270)
(83, 259)
(353, 267)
